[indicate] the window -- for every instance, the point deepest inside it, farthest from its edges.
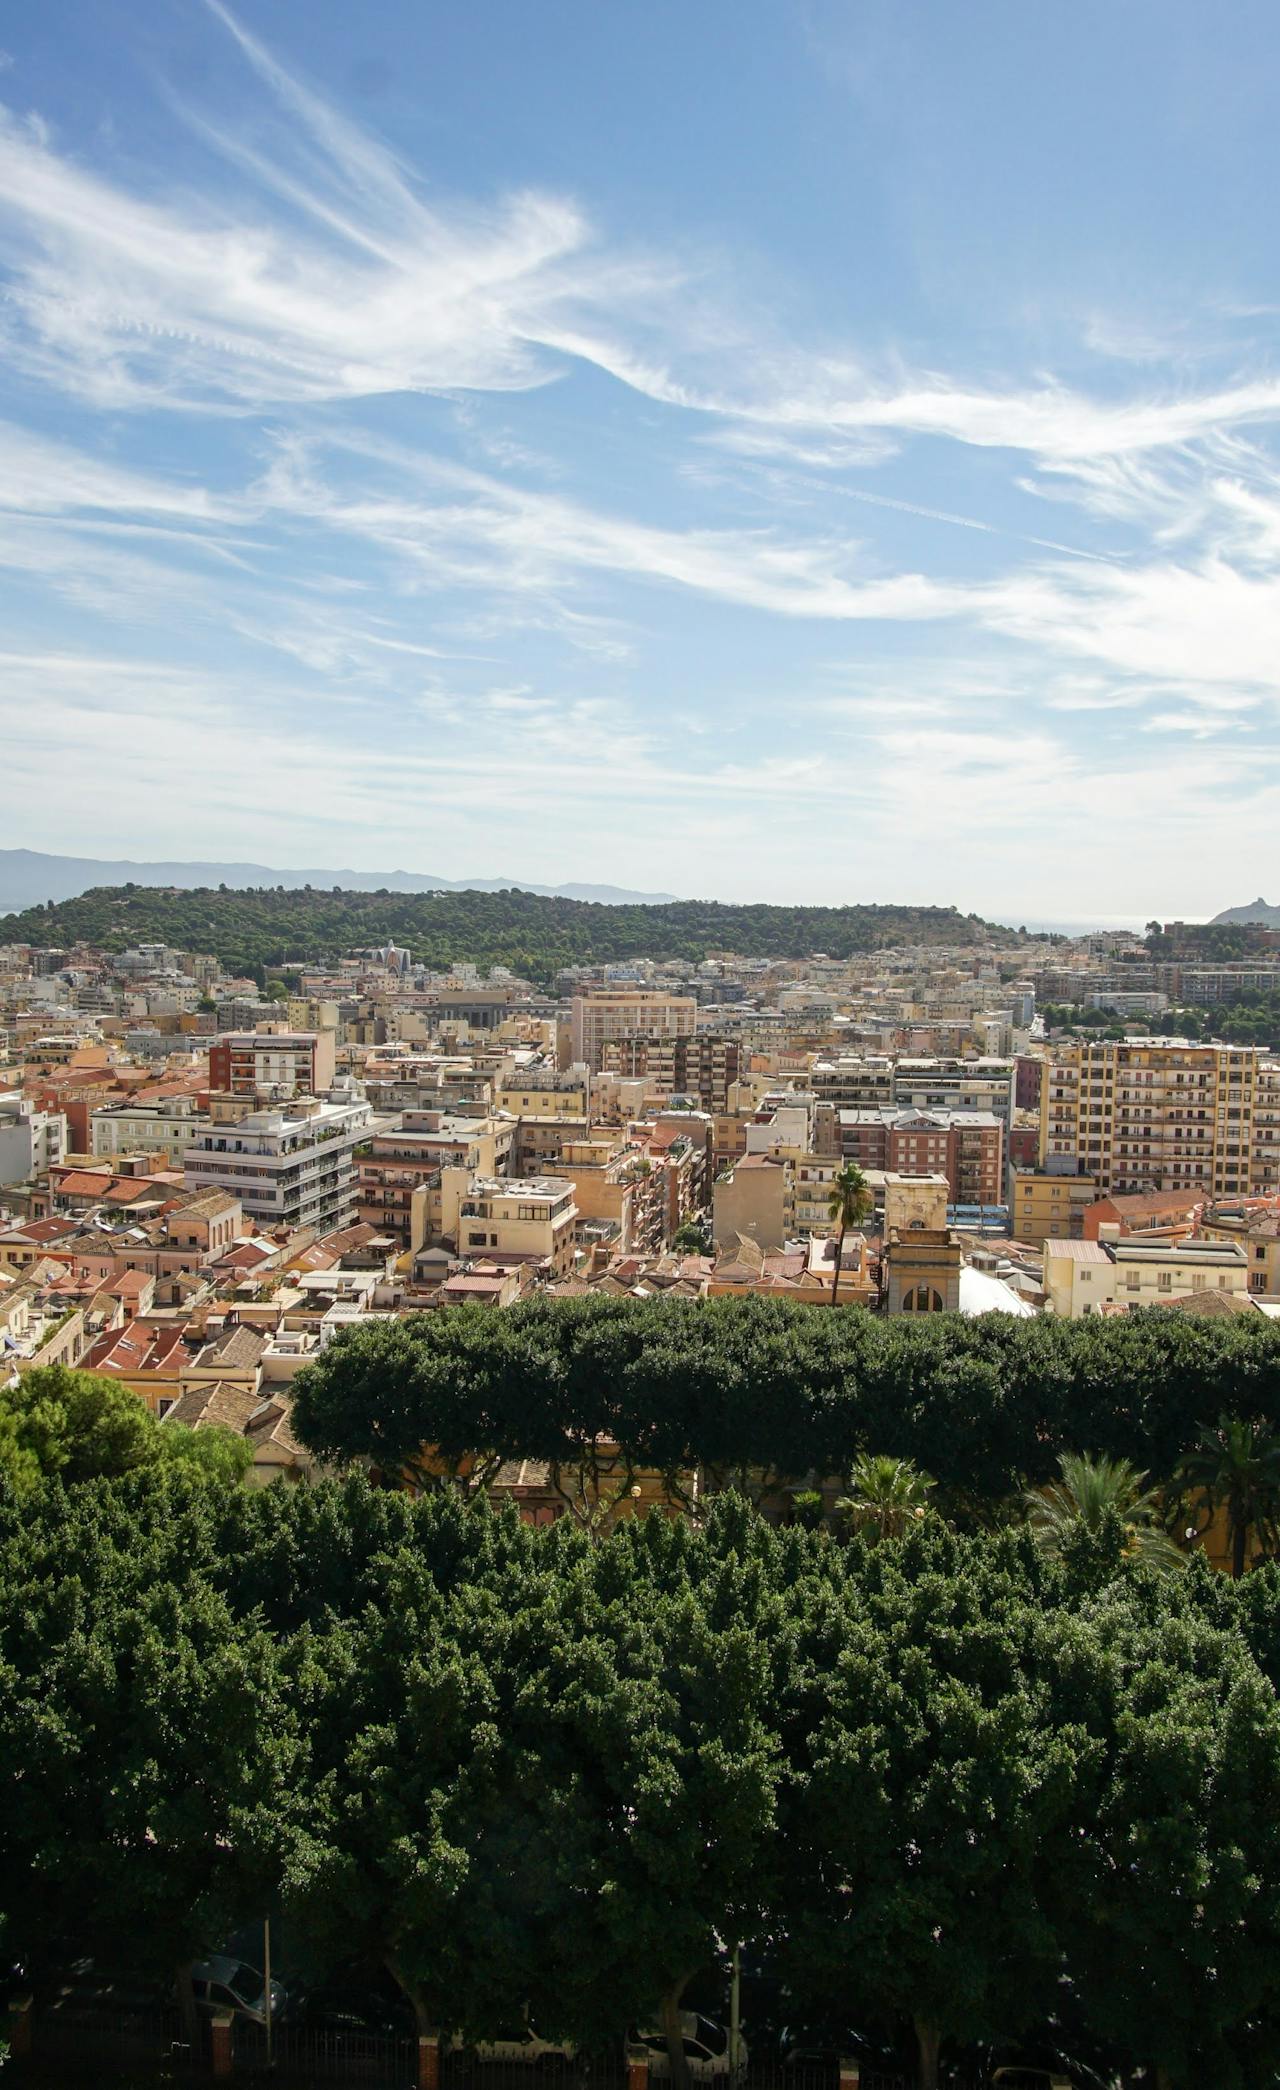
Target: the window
(923, 1300)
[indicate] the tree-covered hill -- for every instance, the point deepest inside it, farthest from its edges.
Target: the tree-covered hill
(532, 934)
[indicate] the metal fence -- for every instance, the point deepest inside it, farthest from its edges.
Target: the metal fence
(301, 2056)
(464, 2071)
(114, 2037)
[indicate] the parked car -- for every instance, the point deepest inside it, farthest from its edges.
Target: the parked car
(352, 2006)
(86, 1986)
(825, 2045)
(521, 2042)
(223, 1983)
(706, 2048)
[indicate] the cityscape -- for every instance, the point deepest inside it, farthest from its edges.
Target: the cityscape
(639, 1088)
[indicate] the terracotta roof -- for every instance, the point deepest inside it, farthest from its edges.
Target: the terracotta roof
(239, 1348)
(1137, 1204)
(218, 1405)
(84, 1182)
(143, 1346)
(40, 1230)
(129, 1282)
(1211, 1303)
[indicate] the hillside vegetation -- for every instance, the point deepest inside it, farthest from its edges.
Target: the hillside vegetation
(533, 935)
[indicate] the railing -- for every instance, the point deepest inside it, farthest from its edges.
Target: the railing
(111, 2037)
(301, 2054)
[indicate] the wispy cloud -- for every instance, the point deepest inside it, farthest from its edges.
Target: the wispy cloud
(465, 609)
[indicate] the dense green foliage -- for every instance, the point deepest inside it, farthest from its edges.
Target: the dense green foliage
(966, 1791)
(85, 1426)
(1252, 1022)
(749, 1387)
(1209, 943)
(533, 935)
(1255, 1021)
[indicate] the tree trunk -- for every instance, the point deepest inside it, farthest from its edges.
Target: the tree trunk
(928, 2043)
(835, 1282)
(185, 1994)
(422, 2016)
(1239, 1532)
(673, 2033)
(1164, 2081)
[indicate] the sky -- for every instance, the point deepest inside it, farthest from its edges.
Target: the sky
(822, 450)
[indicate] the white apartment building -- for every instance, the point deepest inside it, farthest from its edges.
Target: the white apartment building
(31, 1141)
(1081, 1276)
(631, 1012)
(286, 1168)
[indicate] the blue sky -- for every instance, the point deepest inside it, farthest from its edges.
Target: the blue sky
(801, 451)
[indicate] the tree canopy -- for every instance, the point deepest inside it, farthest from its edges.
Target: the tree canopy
(84, 1425)
(758, 1386)
(954, 1786)
(532, 934)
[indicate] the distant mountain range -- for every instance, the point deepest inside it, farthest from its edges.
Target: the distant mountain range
(1257, 911)
(28, 877)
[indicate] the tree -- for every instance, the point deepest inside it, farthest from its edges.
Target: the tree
(848, 1206)
(693, 1238)
(82, 1426)
(760, 1393)
(1235, 1467)
(219, 1453)
(1089, 1493)
(886, 1496)
(78, 1425)
(1174, 1936)
(147, 1754)
(932, 1795)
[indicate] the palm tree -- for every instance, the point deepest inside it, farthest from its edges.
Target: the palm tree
(1088, 1492)
(1235, 1466)
(886, 1495)
(847, 1205)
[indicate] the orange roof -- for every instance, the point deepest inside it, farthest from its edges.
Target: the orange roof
(85, 1182)
(135, 1281)
(144, 1346)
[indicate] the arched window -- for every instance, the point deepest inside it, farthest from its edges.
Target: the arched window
(924, 1300)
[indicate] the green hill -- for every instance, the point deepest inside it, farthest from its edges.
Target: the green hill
(532, 934)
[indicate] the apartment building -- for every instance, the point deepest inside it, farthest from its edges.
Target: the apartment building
(983, 1084)
(1080, 1277)
(754, 1199)
(967, 1146)
(286, 1168)
(604, 1014)
(702, 1063)
(1160, 1114)
(398, 1171)
(1049, 1204)
(32, 1141)
(165, 1127)
(946, 1082)
(1258, 1234)
(611, 1190)
(550, 1111)
(854, 1082)
(1207, 984)
(273, 1063)
(532, 1220)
